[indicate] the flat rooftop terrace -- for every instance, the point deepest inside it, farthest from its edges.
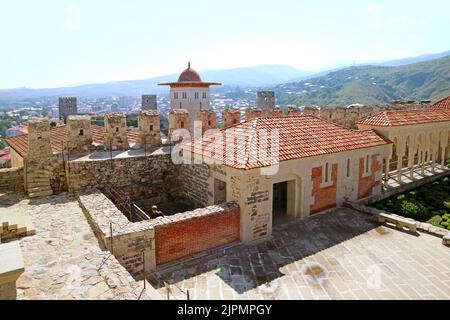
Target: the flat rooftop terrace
(337, 255)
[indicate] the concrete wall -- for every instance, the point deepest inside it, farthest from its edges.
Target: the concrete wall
(188, 233)
(12, 179)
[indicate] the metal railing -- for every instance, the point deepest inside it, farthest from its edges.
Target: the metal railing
(124, 203)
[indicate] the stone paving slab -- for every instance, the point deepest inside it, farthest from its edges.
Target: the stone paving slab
(63, 260)
(337, 255)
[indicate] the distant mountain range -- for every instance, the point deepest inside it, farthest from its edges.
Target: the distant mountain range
(406, 78)
(429, 80)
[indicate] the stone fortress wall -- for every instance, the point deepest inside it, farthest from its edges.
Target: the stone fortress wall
(160, 240)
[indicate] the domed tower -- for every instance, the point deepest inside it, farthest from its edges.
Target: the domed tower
(190, 93)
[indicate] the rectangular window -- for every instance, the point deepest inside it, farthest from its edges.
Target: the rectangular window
(196, 95)
(204, 95)
(367, 163)
(327, 169)
(184, 95)
(151, 127)
(348, 168)
(175, 95)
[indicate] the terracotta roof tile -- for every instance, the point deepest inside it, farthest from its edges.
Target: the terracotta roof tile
(58, 137)
(242, 146)
(406, 117)
(442, 104)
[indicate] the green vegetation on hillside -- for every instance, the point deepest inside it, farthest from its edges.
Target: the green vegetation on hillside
(371, 85)
(430, 203)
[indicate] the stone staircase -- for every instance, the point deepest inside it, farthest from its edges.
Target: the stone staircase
(38, 184)
(14, 225)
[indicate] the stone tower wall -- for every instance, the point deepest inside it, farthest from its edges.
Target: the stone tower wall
(39, 146)
(265, 101)
(252, 113)
(149, 102)
(230, 117)
(79, 134)
(116, 137)
(208, 119)
(67, 107)
(178, 119)
(149, 128)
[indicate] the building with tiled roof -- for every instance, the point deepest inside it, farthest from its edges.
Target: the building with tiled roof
(443, 104)
(291, 165)
(58, 139)
(420, 136)
(296, 137)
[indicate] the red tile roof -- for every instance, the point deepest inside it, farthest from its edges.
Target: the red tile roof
(242, 146)
(406, 117)
(58, 138)
(442, 104)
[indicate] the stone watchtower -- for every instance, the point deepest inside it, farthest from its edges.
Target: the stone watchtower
(149, 128)
(275, 113)
(39, 160)
(67, 107)
(294, 111)
(252, 113)
(116, 137)
(79, 134)
(230, 117)
(265, 101)
(311, 111)
(149, 102)
(178, 119)
(208, 119)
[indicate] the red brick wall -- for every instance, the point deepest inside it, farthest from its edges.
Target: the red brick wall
(324, 198)
(186, 237)
(366, 184)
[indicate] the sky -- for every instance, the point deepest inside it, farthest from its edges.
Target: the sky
(53, 43)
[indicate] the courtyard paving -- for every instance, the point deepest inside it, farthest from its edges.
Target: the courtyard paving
(337, 255)
(64, 260)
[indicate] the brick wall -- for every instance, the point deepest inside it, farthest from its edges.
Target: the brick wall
(324, 198)
(366, 184)
(189, 233)
(194, 183)
(11, 179)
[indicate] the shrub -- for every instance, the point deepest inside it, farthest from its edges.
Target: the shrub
(435, 221)
(414, 210)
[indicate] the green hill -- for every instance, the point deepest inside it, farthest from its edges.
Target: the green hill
(371, 84)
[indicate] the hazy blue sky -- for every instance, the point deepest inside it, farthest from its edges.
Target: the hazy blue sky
(50, 43)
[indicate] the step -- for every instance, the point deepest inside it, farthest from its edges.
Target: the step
(40, 194)
(18, 223)
(38, 185)
(39, 189)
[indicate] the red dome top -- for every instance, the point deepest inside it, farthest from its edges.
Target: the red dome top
(189, 75)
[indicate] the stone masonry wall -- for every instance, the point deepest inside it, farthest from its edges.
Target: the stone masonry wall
(129, 240)
(163, 239)
(188, 233)
(195, 183)
(139, 177)
(367, 183)
(12, 179)
(324, 196)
